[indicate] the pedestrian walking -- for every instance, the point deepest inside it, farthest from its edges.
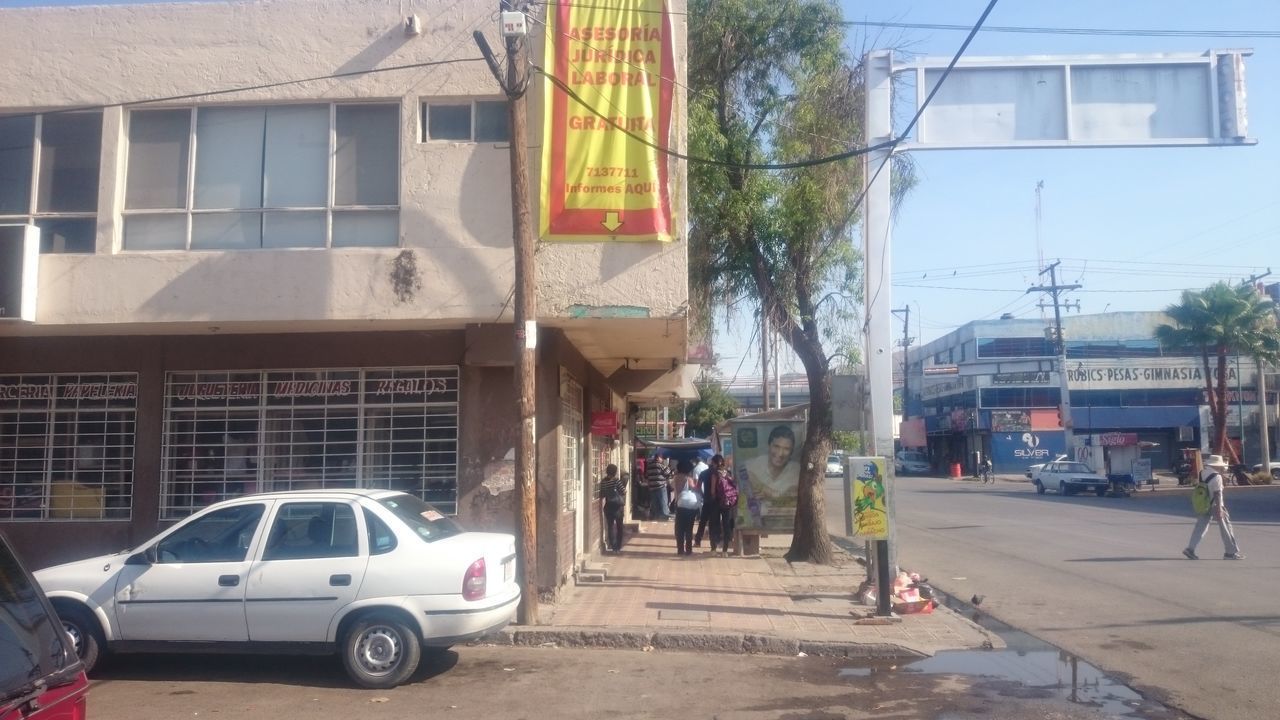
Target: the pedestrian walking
(1209, 503)
(705, 476)
(657, 477)
(613, 491)
(688, 504)
(724, 503)
(985, 468)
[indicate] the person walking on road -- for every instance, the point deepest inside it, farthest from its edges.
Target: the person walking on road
(613, 490)
(688, 504)
(1214, 507)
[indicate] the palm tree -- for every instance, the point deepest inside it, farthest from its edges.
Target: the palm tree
(1222, 320)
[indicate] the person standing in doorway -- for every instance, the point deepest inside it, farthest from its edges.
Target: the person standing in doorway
(613, 490)
(1211, 485)
(688, 502)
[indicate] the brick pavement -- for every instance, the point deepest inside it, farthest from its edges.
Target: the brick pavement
(648, 588)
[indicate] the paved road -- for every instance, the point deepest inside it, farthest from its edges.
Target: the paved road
(1104, 579)
(483, 683)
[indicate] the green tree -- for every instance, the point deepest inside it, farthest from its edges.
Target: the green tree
(714, 406)
(1219, 321)
(772, 82)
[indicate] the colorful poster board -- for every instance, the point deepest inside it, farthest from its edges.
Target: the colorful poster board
(603, 174)
(766, 464)
(869, 498)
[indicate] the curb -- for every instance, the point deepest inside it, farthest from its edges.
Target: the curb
(698, 641)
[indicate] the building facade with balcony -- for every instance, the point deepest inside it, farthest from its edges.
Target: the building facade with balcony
(993, 387)
(276, 252)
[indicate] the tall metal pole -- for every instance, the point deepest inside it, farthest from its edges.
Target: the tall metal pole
(877, 172)
(764, 355)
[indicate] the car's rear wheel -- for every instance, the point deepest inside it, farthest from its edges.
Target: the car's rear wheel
(380, 651)
(1039, 487)
(86, 635)
(1275, 474)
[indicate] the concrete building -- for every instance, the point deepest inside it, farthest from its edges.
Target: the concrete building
(276, 253)
(992, 387)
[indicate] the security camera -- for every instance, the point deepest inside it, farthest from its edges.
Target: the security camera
(879, 351)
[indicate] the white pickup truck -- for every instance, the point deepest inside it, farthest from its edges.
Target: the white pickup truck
(1068, 477)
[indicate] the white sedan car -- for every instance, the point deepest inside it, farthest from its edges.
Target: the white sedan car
(375, 575)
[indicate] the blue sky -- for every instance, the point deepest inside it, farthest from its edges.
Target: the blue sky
(1134, 227)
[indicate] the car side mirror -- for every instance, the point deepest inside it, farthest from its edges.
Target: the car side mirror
(151, 554)
(146, 557)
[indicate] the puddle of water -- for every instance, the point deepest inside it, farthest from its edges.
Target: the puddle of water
(1029, 668)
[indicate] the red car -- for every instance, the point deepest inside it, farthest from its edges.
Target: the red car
(40, 676)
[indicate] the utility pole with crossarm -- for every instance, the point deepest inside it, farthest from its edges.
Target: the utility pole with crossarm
(1060, 347)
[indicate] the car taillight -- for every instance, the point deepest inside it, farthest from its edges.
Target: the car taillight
(474, 583)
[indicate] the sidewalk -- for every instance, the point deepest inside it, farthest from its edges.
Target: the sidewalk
(649, 597)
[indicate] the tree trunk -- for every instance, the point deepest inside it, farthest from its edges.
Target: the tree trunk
(1219, 409)
(810, 541)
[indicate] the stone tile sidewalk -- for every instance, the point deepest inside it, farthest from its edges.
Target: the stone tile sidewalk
(649, 596)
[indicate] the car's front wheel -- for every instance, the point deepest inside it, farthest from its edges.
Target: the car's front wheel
(381, 652)
(84, 632)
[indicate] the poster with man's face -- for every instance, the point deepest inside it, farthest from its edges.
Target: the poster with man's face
(766, 464)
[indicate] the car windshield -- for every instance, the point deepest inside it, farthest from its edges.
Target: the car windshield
(32, 640)
(833, 459)
(1074, 467)
(429, 524)
(912, 456)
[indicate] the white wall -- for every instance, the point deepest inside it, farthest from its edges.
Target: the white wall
(455, 212)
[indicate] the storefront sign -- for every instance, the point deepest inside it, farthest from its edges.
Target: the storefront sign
(1120, 375)
(1117, 439)
(870, 502)
(942, 370)
(602, 176)
(1010, 421)
(945, 387)
(69, 387)
(1015, 452)
(604, 422)
(1021, 378)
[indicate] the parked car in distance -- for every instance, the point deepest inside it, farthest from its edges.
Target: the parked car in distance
(1273, 466)
(835, 466)
(911, 462)
(40, 676)
(1037, 466)
(376, 576)
(1068, 477)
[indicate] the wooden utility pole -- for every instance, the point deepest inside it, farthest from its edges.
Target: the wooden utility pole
(1060, 347)
(525, 308)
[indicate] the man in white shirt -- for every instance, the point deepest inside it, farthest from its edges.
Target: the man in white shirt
(1211, 476)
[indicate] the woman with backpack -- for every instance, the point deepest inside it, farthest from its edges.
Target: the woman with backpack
(724, 505)
(688, 503)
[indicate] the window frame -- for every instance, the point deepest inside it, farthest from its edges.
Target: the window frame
(33, 214)
(424, 120)
(330, 207)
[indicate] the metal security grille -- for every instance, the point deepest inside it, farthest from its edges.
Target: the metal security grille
(66, 446)
(231, 433)
(571, 446)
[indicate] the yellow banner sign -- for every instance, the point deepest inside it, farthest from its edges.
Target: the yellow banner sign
(870, 506)
(609, 90)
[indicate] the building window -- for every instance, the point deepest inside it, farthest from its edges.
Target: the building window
(49, 177)
(231, 433)
(66, 446)
(1015, 347)
(286, 176)
(571, 442)
(466, 121)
